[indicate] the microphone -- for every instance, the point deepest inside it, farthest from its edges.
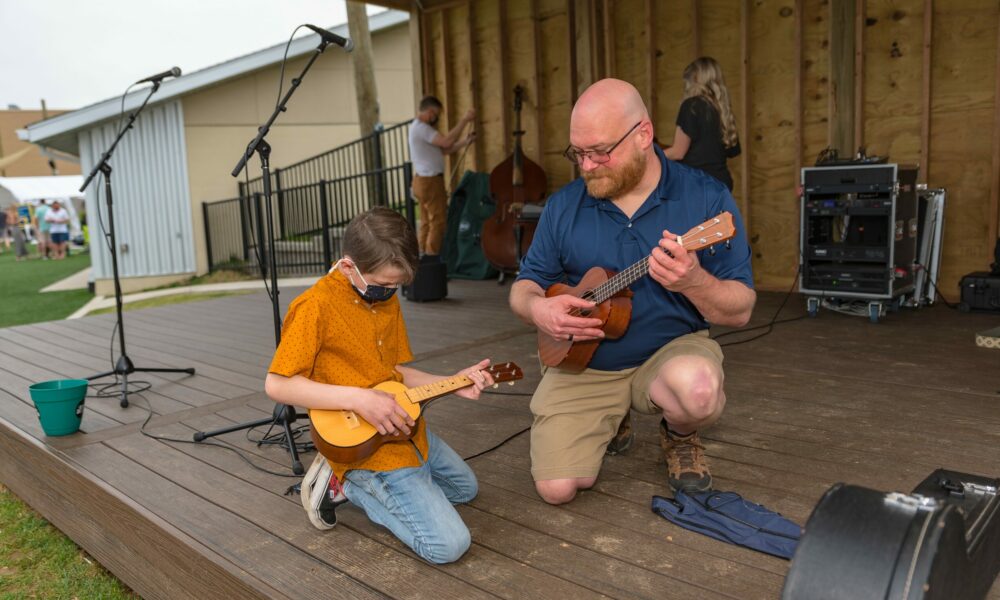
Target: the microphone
(333, 38)
(175, 72)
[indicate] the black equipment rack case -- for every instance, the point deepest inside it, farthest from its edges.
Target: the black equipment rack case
(858, 235)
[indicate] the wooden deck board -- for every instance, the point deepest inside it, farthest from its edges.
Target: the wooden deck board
(818, 401)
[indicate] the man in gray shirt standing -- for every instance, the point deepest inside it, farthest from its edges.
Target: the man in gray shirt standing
(427, 150)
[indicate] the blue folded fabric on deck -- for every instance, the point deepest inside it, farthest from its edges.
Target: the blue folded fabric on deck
(726, 516)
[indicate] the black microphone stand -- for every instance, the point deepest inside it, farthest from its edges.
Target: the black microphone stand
(123, 366)
(282, 414)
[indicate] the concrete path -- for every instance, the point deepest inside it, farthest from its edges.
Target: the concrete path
(76, 281)
(99, 302)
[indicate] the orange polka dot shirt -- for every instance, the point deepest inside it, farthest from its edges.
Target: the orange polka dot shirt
(330, 335)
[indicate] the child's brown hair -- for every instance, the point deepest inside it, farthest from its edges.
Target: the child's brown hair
(381, 236)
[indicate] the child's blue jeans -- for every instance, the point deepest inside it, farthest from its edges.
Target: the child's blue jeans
(415, 503)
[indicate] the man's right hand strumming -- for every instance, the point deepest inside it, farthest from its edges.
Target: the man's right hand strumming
(554, 317)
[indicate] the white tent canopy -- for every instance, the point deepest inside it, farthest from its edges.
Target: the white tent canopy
(32, 189)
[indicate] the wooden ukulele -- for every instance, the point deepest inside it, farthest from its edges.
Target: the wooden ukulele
(613, 298)
(344, 437)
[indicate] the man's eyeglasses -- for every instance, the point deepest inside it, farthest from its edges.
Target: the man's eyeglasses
(597, 156)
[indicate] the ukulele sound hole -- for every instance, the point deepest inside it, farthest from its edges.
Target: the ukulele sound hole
(585, 312)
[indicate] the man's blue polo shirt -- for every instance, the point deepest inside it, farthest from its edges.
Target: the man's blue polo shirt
(577, 232)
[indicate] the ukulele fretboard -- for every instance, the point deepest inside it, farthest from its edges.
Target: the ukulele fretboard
(423, 393)
(696, 238)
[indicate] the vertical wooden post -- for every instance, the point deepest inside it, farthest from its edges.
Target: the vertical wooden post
(474, 83)
(364, 73)
(448, 98)
(994, 226)
(427, 54)
(595, 73)
(609, 40)
(416, 54)
(574, 82)
(799, 142)
(574, 77)
(505, 75)
(842, 24)
(446, 76)
(925, 101)
(859, 74)
(537, 83)
(650, 61)
(745, 141)
(695, 30)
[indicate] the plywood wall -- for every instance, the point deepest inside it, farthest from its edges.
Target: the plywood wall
(925, 77)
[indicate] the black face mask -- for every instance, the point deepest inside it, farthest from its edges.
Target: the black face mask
(373, 293)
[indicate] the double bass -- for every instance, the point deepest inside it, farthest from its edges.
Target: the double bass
(513, 183)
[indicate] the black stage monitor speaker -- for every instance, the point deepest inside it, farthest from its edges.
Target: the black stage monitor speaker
(941, 541)
(430, 283)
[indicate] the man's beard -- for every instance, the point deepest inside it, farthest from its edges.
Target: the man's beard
(433, 121)
(612, 184)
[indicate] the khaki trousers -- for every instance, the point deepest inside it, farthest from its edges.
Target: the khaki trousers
(433, 201)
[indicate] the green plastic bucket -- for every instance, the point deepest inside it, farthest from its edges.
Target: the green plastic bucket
(59, 404)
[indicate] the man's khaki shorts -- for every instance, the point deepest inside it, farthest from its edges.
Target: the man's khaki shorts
(577, 414)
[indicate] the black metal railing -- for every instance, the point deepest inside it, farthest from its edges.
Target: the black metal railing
(381, 149)
(308, 221)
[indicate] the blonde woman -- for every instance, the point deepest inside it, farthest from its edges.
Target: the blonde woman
(706, 129)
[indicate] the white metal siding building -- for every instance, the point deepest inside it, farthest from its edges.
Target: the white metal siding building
(152, 205)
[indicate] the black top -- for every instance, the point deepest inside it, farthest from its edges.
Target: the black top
(700, 121)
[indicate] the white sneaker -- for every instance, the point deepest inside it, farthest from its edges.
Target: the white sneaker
(321, 493)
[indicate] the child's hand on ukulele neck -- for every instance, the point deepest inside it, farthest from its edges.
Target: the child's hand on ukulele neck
(481, 379)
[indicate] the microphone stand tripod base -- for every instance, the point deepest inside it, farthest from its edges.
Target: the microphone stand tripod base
(283, 414)
(124, 368)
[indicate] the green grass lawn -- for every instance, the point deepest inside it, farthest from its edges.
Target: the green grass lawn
(37, 561)
(20, 283)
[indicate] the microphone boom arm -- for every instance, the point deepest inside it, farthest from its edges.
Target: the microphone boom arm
(101, 164)
(263, 130)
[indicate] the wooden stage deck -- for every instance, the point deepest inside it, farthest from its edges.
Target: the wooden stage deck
(818, 401)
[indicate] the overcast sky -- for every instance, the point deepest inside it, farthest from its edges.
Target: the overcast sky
(76, 52)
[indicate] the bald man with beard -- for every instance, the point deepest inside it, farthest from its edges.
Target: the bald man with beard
(630, 204)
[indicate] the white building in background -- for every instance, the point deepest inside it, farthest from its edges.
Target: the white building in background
(187, 140)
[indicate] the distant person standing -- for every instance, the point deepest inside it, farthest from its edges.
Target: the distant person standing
(58, 220)
(5, 228)
(17, 232)
(41, 227)
(706, 132)
(427, 150)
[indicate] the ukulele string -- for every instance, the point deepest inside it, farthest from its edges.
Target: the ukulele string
(634, 272)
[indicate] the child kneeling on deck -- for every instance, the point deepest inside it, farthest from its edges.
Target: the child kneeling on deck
(340, 338)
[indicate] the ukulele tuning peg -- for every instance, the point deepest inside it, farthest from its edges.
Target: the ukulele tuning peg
(711, 250)
(510, 383)
(496, 385)
(729, 245)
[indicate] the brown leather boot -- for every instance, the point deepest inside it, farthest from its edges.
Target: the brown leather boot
(623, 439)
(687, 467)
